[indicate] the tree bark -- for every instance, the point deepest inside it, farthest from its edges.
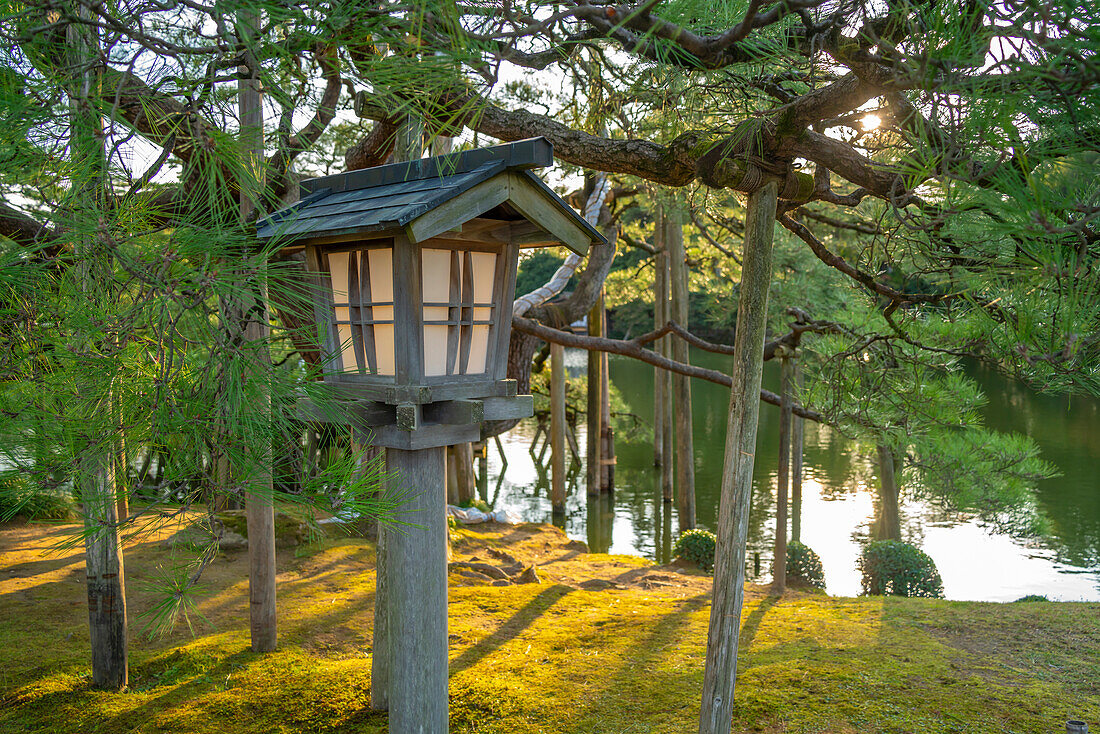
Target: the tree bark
(733, 516)
(779, 567)
(681, 384)
(889, 491)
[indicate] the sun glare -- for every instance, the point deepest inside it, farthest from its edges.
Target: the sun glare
(871, 122)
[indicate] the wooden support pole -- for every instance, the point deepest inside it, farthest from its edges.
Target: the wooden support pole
(889, 512)
(595, 399)
(465, 477)
(681, 384)
(607, 434)
(660, 297)
(409, 145)
(779, 562)
(716, 712)
(452, 476)
(416, 578)
(557, 427)
(798, 429)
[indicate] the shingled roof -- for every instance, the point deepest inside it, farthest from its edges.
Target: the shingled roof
(393, 196)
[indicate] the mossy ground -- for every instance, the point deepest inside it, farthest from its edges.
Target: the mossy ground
(604, 644)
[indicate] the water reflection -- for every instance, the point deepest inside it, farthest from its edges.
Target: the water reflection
(839, 493)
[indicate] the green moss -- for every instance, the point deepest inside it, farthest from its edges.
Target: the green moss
(555, 658)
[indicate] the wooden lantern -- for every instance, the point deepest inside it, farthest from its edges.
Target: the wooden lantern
(415, 267)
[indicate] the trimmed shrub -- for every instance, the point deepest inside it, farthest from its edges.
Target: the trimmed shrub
(893, 568)
(804, 565)
(696, 546)
(1033, 597)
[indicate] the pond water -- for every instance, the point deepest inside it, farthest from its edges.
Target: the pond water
(975, 562)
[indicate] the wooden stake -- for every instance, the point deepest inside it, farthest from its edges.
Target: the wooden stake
(465, 478)
(890, 517)
(416, 577)
(595, 399)
(797, 440)
(779, 562)
(557, 427)
(716, 713)
(660, 297)
(681, 384)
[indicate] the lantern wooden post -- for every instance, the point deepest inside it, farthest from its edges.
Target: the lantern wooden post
(416, 578)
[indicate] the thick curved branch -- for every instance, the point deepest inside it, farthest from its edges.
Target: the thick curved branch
(635, 350)
(23, 229)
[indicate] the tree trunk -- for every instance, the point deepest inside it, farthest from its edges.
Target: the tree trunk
(258, 505)
(733, 516)
(889, 491)
(797, 440)
(681, 384)
(96, 480)
(557, 427)
(595, 401)
(779, 567)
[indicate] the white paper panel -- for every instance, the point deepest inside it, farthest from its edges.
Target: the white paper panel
(347, 347)
(484, 265)
(436, 268)
(338, 268)
(435, 350)
(383, 346)
(381, 275)
(479, 349)
(435, 313)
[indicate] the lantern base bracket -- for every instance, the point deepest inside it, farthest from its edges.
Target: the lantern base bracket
(410, 426)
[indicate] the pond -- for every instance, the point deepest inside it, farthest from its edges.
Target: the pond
(976, 563)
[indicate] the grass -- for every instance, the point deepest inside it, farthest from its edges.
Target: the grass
(604, 644)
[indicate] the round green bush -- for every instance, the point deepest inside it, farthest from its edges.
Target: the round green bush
(805, 565)
(893, 568)
(1033, 597)
(696, 546)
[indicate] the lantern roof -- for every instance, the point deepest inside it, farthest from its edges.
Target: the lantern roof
(429, 196)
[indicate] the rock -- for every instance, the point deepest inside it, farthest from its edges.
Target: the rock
(484, 568)
(502, 582)
(502, 556)
(229, 540)
(530, 575)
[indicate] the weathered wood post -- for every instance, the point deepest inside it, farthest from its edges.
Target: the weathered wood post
(465, 478)
(681, 384)
(716, 712)
(259, 507)
(664, 348)
(95, 478)
(595, 400)
(779, 563)
(557, 428)
(798, 428)
(416, 580)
